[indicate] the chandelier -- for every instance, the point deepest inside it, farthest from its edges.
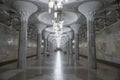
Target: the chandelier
(56, 6)
(57, 26)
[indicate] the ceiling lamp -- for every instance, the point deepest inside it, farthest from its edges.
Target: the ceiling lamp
(57, 23)
(56, 4)
(57, 26)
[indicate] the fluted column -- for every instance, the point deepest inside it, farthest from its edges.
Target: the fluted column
(40, 28)
(25, 9)
(75, 28)
(70, 51)
(91, 41)
(89, 9)
(38, 49)
(76, 37)
(50, 47)
(67, 47)
(22, 42)
(46, 45)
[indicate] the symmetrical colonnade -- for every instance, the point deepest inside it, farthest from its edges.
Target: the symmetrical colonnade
(88, 9)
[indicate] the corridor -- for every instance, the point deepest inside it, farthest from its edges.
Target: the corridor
(59, 39)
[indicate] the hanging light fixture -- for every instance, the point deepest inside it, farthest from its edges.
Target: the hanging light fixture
(57, 5)
(57, 26)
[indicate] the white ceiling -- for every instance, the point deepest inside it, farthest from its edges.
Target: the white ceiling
(46, 1)
(67, 17)
(70, 7)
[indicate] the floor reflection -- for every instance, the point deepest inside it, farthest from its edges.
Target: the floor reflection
(58, 67)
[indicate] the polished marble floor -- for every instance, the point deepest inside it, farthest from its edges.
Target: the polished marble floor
(58, 66)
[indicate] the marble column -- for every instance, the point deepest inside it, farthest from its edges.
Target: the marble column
(40, 28)
(70, 51)
(75, 28)
(46, 45)
(50, 47)
(22, 43)
(91, 41)
(25, 9)
(89, 9)
(39, 43)
(76, 37)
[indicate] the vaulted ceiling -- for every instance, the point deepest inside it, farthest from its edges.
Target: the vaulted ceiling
(71, 15)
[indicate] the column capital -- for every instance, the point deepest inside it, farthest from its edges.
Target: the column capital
(24, 18)
(91, 15)
(25, 9)
(75, 28)
(40, 27)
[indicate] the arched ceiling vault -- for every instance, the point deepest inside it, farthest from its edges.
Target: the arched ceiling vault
(9, 15)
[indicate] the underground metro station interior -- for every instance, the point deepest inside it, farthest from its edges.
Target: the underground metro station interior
(59, 39)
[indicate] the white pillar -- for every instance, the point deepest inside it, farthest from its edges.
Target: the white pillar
(38, 49)
(75, 28)
(89, 9)
(25, 9)
(91, 41)
(40, 28)
(22, 43)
